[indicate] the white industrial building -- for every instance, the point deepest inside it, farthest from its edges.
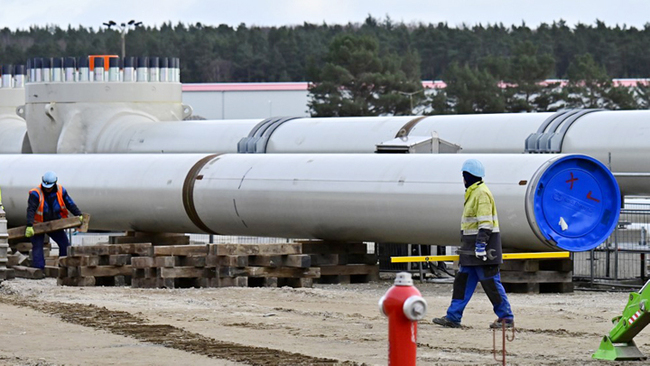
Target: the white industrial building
(247, 100)
(254, 100)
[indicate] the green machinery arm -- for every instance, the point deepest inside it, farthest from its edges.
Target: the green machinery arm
(619, 343)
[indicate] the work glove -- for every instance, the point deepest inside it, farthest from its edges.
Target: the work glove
(29, 232)
(81, 219)
(480, 252)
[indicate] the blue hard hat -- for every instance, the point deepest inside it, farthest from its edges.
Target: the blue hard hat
(474, 167)
(49, 179)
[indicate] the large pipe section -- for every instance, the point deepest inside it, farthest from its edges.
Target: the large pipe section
(13, 129)
(545, 202)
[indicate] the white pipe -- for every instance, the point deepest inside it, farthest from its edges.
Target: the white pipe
(364, 197)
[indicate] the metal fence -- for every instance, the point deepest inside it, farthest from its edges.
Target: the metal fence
(623, 256)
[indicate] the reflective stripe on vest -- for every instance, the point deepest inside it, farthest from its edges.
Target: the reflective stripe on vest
(38, 216)
(479, 212)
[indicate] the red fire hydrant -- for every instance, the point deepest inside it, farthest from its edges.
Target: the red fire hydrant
(404, 306)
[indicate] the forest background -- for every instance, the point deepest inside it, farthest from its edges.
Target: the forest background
(377, 67)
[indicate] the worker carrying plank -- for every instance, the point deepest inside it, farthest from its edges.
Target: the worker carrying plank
(49, 201)
(480, 252)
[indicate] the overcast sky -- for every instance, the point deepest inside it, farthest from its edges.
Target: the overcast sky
(25, 13)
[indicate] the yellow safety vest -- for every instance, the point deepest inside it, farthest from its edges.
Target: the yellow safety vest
(479, 212)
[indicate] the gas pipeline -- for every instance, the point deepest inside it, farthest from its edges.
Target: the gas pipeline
(134, 106)
(545, 202)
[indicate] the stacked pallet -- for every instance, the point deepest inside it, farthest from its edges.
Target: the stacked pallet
(177, 266)
(537, 275)
(101, 265)
(143, 265)
(342, 262)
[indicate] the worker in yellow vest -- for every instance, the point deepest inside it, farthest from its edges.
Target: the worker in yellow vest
(47, 202)
(480, 253)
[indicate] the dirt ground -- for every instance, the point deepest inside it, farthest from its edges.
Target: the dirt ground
(45, 324)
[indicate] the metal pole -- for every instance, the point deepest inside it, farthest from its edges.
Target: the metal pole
(616, 253)
(643, 267)
(591, 265)
(420, 264)
(123, 43)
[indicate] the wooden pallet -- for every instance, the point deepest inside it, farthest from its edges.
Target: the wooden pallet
(224, 265)
(537, 275)
(101, 265)
(342, 262)
(143, 265)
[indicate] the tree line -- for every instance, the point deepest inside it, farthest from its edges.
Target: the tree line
(375, 67)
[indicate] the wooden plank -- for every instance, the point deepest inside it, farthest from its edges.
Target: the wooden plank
(50, 226)
(184, 250)
(149, 272)
(63, 272)
(324, 247)
(16, 259)
(226, 260)
(265, 260)
(23, 247)
(297, 260)
(324, 259)
(562, 265)
(193, 261)
(7, 274)
(119, 259)
(142, 262)
(255, 249)
(313, 272)
(51, 271)
(520, 266)
(181, 272)
(167, 261)
(28, 272)
(349, 269)
(230, 272)
(142, 249)
(536, 277)
(144, 282)
(105, 271)
(80, 260)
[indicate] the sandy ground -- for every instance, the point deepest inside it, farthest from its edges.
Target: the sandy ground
(45, 324)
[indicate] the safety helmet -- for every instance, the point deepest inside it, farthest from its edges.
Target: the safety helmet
(49, 179)
(474, 167)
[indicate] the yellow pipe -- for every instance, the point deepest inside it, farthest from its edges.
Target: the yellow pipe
(443, 258)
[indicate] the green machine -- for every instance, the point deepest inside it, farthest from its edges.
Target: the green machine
(619, 344)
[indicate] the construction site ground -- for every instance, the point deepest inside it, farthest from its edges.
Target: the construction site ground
(46, 324)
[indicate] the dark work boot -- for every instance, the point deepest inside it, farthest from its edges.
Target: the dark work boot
(446, 322)
(498, 324)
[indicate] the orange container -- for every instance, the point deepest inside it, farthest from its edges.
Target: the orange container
(92, 58)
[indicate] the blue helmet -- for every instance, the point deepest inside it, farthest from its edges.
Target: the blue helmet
(49, 179)
(474, 167)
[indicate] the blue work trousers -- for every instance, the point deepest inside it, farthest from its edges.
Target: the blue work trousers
(60, 237)
(465, 283)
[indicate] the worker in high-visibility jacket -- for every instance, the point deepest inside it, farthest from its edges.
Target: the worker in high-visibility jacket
(47, 202)
(480, 253)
